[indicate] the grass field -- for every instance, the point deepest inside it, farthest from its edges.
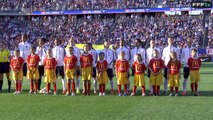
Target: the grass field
(110, 107)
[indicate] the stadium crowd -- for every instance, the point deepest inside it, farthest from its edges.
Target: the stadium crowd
(96, 29)
(45, 5)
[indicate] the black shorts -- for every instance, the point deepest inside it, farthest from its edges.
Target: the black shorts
(93, 72)
(133, 72)
(148, 73)
(110, 72)
(4, 67)
(78, 72)
(60, 71)
(165, 72)
(25, 69)
(186, 72)
(41, 70)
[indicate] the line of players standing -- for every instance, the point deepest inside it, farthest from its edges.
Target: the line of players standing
(111, 55)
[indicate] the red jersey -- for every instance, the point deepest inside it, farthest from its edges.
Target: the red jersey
(50, 63)
(101, 65)
(156, 64)
(174, 67)
(122, 65)
(33, 60)
(86, 60)
(194, 63)
(16, 63)
(70, 62)
(139, 68)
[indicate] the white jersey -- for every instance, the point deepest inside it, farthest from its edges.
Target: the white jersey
(95, 56)
(41, 51)
(149, 53)
(185, 55)
(24, 48)
(76, 52)
(166, 54)
(109, 56)
(58, 54)
(127, 52)
(135, 51)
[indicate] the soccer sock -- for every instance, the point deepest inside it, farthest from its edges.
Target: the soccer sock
(112, 84)
(151, 89)
(19, 85)
(171, 89)
(192, 87)
(128, 86)
(89, 86)
(165, 85)
(73, 86)
(63, 84)
(154, 89)
(1, 84)
(16, 86)
(85, 87)
(55, 87)
(196, 86)
(95, 84)
(39, 84)
(100, 86)
(31, 86)
(125, 88)
(68, 86)
(119, 89)
(143, 89)
(47, 87)
(77, 83)
(158, 89)
(176, 90)
(9, 85)
(36, 85)
(184, 85)
(104, 86)
(134, 89)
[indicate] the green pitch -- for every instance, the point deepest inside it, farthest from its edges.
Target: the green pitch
(110, 107)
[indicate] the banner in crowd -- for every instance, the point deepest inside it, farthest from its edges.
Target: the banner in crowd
(140, 10)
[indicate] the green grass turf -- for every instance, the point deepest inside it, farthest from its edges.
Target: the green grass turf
(49, 107)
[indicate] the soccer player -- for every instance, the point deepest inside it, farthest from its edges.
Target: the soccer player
(77, 53)
(137, 50)
(50, 71)
(186, 53)
(58, 54)
(122, 68)
(156, 66)
(123, 47)
(194, 64)
(166, 57)
(139, 69)
(32, 70)
(174, 66)
(86, 61)
(149, 56)
(93, 52)
(16, 65)
(24, 48)
(4, 66)
(70, 68)
(41, 51)
(102, 76)
(109, 56)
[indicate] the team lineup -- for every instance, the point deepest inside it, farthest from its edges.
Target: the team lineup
(71, 64)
